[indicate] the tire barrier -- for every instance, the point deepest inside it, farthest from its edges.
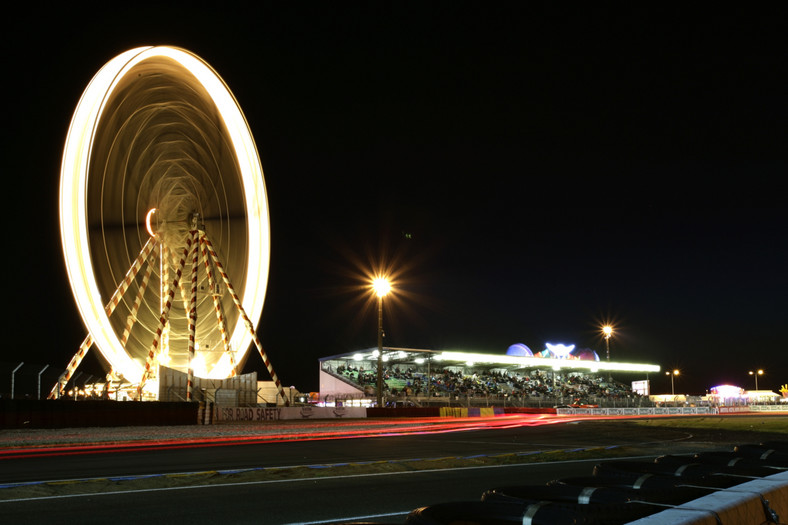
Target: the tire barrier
(625, 491)
(654, 489)
(710, 487)
(689, 470)
(527, 512)
(774, 454)
(574, 494)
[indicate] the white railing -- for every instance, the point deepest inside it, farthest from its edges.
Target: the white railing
(783, 407)
(636, 411)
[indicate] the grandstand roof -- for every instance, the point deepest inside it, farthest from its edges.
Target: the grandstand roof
(453, 358)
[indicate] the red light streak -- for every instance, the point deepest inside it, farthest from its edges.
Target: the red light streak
(300, 431)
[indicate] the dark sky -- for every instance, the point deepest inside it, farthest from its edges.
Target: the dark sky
(527, 169)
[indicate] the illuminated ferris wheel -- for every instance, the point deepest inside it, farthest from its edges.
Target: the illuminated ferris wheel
(162, 201)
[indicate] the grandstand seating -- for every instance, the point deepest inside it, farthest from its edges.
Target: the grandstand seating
(575, 389)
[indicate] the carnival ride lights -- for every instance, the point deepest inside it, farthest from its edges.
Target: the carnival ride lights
(519, 349)
(727, 391)
(559, 351)
(159, 162)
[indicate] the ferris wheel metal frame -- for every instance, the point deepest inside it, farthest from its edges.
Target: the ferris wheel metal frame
(163, 252)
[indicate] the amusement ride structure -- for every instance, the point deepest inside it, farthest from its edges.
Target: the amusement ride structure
(160, 185)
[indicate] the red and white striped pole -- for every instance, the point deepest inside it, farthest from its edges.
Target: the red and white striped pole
(164, 287)
(109, 308)
(64, 378)
(130, 275)
(219, 310)
(249, 325)
(138, 300)
(153, 352)
(192, 314)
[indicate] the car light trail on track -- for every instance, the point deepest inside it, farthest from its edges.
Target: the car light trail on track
(276, 433)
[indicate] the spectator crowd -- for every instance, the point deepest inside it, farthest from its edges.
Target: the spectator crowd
(460, 382)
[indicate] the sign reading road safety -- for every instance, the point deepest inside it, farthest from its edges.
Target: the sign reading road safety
(275, 414)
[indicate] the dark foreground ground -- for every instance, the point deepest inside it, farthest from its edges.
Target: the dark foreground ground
(267, 473)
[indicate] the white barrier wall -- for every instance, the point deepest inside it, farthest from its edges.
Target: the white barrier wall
(770, 408)
(636, 411)
(279, 413)
(669, 411)
(752, 503)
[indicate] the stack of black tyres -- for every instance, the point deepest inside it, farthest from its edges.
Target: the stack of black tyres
(618, 492)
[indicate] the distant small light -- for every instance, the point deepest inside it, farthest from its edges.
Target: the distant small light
(419, 360)
(357, 357)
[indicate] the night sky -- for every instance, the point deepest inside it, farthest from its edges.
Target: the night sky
(526, 171)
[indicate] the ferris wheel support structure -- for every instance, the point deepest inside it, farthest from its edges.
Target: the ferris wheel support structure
(209, 247)
(109, 308)
(193, 243)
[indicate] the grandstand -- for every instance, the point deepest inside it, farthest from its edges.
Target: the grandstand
(420, 377)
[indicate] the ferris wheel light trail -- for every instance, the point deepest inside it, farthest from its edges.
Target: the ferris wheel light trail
(147, 222)
(74, 195)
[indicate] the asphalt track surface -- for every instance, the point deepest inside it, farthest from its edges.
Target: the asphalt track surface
(70, 460)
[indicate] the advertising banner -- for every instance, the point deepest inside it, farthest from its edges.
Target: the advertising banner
(279, 413)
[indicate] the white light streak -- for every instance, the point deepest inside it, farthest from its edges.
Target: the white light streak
(533, 362)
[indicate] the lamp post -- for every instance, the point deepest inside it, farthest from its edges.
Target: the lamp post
(756, 373)
(672, 390)
(607, 330)
(381, 287)
(39, 380)
(12, 378)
